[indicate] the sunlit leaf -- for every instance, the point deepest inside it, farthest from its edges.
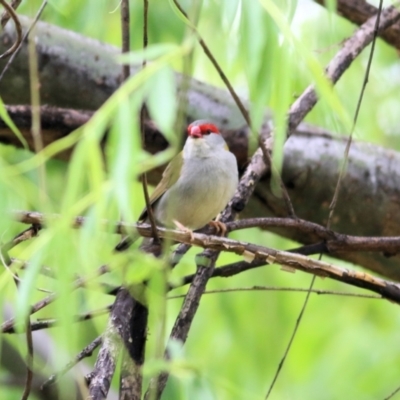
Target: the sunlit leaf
(150, 53)
(9, 122)
(162, 102)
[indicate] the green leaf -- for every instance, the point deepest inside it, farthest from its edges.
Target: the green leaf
(9, 122)
(323, 85)
(150, 53)
(162, 103)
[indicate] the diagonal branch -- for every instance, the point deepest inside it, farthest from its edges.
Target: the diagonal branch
(5, 16)
(341, 61)
(10, 11)
(358, 11)
(250, 178)
(86, 352)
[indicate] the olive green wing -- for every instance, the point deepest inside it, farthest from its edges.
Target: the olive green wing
(169, 177)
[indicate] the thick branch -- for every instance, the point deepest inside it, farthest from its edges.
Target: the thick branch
(55, 124)
(369, 185)
(133, 357)
(118, 331)
(95, 76)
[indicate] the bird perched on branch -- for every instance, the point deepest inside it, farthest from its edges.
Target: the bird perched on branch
(197, 184)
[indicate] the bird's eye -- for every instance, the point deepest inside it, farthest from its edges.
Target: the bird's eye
(208, 131)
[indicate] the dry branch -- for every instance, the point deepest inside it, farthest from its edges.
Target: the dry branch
(5, 16)
(52, 322)
(86, 352)
(80, 282)
(10, 11)
(333, 242)
(261, 254)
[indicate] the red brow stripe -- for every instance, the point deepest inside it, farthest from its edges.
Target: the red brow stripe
(208, 127)
(203, 127)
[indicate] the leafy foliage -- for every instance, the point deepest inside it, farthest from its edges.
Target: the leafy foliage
(270, 51)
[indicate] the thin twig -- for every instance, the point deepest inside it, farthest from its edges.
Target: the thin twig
(27, 234)
(299, 318)
(6, 16)
(145, 28)
(184, 319)
(220, 71)
(343, 169)
(35, 20)
(392, 394)
(331, 208)
(286, 198)
(149, 208)
(86, 352)
(125, 25)
(225, 271)
(10, 323)
(18, 28)
(52, 322)
(258, 288)
(229, 270)
(187, 72)
(36, 128)
(6, 260)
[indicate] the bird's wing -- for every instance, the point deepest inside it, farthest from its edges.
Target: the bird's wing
(169, 177)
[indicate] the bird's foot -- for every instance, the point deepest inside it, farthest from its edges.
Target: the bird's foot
(219, 227)
(183, 228)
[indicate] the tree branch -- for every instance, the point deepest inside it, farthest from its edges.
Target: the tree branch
(342, 60)
(358, 11)
(373, 171)
(117, 334)
(334, 242)
(86, 352)
(260, 255)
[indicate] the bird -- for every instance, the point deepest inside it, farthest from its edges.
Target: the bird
(197, 184)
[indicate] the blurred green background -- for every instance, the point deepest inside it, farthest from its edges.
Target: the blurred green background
(346, 347)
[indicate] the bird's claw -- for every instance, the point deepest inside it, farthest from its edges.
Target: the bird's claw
(183, 228)
(219, 227)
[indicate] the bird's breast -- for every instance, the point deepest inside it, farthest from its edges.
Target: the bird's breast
(204, 188)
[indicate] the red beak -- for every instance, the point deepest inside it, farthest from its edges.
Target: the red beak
(195, 132)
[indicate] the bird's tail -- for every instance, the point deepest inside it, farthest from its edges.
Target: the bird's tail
(126, 242)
